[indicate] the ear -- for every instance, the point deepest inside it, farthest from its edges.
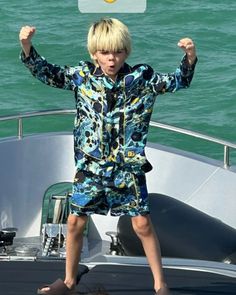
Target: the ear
(94, 56)
(94, 59)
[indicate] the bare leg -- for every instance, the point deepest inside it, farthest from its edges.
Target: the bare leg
(142, 225)
(74, 243)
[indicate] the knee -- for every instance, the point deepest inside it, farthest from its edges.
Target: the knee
(76, 224)
(142, 225)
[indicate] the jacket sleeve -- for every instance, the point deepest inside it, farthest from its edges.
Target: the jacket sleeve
(50, 74)
(172, 82)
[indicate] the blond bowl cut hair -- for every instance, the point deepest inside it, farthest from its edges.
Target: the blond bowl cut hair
(108, 35)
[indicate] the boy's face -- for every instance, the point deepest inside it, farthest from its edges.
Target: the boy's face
(110, 62)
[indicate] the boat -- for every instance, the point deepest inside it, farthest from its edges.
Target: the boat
(193, 209)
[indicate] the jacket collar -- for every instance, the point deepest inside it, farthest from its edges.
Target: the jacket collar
(124, 70)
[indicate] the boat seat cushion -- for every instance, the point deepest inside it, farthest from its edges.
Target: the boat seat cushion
(183, 231)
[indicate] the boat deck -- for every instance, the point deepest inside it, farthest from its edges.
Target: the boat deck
(24, 277)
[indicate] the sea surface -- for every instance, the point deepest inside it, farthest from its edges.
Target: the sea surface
(208, 106)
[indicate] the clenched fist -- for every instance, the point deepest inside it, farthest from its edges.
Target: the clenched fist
(189, 48)
(25, 36)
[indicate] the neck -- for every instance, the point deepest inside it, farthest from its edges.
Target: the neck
(112, 77)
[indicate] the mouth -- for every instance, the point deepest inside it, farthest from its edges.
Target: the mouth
(111, 68)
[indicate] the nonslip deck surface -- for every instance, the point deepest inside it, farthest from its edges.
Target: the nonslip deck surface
(23, 278)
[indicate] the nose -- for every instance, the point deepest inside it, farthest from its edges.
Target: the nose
(111, 56)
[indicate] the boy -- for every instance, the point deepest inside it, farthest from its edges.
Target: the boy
(114, 102)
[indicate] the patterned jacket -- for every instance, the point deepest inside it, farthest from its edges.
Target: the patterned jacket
(112, 120)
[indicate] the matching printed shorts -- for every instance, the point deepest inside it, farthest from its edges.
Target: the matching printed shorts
(98, 194)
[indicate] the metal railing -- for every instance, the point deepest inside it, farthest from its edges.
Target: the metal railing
(226, 144)
(20, 117)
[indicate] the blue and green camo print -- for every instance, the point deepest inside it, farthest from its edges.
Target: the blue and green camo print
(112, 119)
(96, 194)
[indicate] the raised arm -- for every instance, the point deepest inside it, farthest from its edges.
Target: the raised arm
(182, 77)
(48, 73)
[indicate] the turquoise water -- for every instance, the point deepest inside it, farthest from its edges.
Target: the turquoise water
(209, 106)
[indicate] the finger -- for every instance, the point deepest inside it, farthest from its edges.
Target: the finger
(186, 45)
(28, 29)
(26, 32)
(186, 40)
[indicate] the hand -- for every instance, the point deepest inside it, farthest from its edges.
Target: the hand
(25, 36)
(189, 48)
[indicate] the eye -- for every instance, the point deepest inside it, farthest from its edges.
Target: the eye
(119, 51)
(104, 52)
